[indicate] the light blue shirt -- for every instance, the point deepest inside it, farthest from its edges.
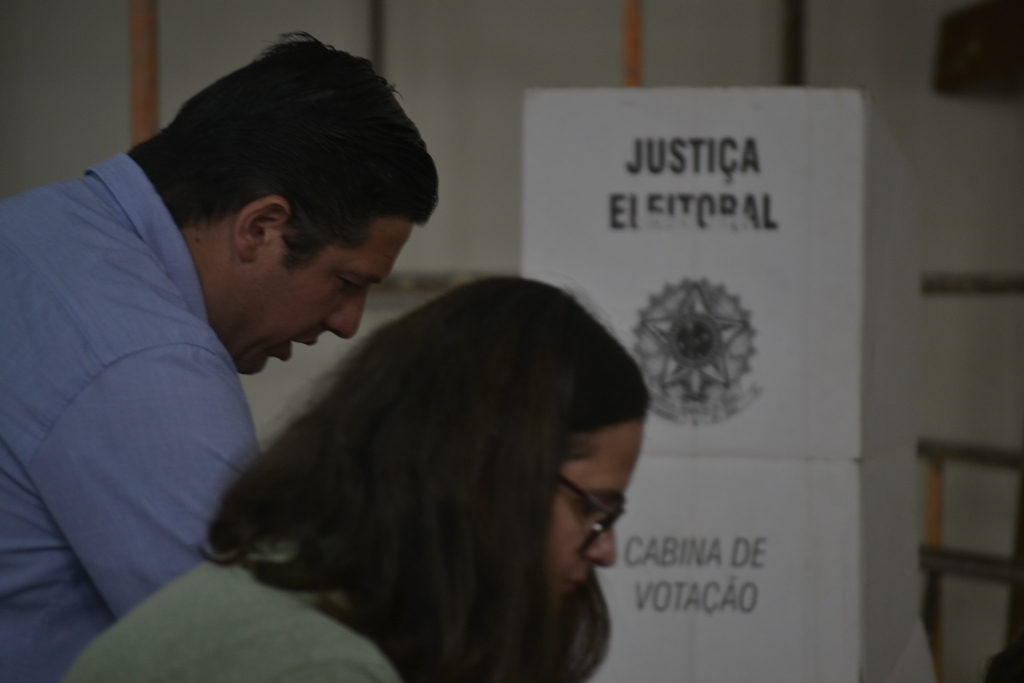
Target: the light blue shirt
(121, 415)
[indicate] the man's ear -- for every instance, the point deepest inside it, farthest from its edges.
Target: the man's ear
(260, 224)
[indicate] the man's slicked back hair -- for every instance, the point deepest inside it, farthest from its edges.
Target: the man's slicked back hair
(312, 124)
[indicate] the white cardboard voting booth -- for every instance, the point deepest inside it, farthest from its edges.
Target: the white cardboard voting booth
(756, 250)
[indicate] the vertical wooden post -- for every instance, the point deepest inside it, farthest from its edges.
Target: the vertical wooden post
(377, 35)
(793, 43)
(142, 28)
(633, 44)
(933, 539)
(1015, 619)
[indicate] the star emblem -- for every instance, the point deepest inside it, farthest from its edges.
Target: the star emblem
(694, 342)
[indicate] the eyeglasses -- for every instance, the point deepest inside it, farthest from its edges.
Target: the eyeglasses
(594, 505)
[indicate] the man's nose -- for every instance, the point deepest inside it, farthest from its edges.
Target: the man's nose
(344, 320)
(602, 551)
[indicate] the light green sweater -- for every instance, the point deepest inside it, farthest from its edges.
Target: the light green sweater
(219, 625)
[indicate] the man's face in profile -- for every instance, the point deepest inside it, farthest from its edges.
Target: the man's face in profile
(281, 305)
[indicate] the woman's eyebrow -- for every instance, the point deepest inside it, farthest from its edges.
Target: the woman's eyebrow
(611, 498)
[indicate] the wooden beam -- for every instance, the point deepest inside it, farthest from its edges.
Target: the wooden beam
(633, 44)
(974, 565)
(144, 82)
(981, 46)
(939, 450)
(972, 283)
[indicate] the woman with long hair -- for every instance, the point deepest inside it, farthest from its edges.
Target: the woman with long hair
(435, 516)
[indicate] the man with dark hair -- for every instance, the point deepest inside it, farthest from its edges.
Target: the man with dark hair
(132, 297)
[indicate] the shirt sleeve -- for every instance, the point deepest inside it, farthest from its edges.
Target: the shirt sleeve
(134, 467)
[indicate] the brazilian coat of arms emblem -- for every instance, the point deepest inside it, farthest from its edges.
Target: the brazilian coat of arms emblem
(694, 342)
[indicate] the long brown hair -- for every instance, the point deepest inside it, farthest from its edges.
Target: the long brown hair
(415, 496)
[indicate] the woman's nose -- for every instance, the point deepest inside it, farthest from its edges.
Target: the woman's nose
(602, 551)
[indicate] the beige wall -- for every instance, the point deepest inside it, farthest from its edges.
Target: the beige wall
(968, 156)
(461, 67)
(63, 94)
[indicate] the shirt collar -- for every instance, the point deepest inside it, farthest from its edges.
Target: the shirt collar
(124, 185)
